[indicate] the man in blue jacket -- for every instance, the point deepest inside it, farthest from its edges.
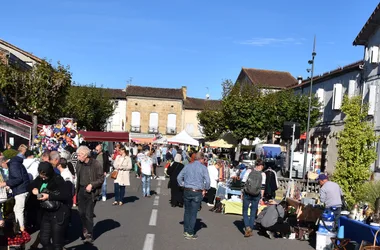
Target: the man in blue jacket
(18, 181)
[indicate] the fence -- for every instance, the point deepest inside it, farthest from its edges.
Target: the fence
(301, 184)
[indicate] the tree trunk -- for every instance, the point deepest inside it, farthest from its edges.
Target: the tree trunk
(34, 128)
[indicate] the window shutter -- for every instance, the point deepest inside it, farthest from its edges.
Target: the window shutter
(372, 100)
(337, 96)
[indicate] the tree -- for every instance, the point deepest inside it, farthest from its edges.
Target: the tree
(38, 91)
(282, 106)
(243, 108)
(212, 122)
(356, 148)
(90, 106)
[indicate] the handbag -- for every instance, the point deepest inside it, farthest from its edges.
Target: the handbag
(48, 204)
(114, 174)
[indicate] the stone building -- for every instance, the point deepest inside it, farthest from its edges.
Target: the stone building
(152, 111)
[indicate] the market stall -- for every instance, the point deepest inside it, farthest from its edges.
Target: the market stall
(183, 138)
(358, 231)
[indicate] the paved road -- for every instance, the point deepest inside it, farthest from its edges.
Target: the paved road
(151, 223)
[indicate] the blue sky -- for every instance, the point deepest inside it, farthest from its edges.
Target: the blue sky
(178, 43)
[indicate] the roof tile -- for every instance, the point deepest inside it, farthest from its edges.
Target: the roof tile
(200, 104)
(154, 92)
(269, 78)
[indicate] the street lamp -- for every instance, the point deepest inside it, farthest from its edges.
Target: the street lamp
(311, 62)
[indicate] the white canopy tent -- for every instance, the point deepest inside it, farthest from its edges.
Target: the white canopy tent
(183, 138)
(162, 140)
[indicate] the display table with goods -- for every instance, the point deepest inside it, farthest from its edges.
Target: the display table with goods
(359, 231)
(224, 189)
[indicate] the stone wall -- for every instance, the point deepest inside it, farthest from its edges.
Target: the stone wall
(154, 105)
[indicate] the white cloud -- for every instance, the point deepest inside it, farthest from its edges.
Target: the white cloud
(271, 41)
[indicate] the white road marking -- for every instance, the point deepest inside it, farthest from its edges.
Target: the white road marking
(149, 242)
(156, 200)
(158, 190)
(153, 218)
(159, 183)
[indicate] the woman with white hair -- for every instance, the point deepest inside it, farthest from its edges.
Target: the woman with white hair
(176, 191)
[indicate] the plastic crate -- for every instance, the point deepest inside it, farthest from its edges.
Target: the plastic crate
(324, 241)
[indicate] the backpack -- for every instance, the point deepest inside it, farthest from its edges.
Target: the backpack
(253, 184)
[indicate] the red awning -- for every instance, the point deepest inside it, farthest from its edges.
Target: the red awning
(105, 136)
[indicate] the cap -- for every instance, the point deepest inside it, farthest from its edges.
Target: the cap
(322, 177)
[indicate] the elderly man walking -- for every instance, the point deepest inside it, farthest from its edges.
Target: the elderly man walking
(195, 179)
(90, 178)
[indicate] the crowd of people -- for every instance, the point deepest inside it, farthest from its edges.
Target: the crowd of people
(58, 181)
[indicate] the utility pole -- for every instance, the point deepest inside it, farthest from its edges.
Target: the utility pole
(308, 115)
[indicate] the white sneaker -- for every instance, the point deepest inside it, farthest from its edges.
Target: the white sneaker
(210, 205)
(104, 198)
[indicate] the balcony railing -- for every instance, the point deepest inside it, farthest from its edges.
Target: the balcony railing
(171, 131)
(136, 129)
(152, 130)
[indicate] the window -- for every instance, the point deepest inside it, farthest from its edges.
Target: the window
(172, 121)
(374, 56)
(337, 96)
(116, 103)
(372, 100)
(351, 88)
(135, 122)
(190, 128)
(153, 123)
(321, 97)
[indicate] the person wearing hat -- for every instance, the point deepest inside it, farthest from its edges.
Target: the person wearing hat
(331, 195)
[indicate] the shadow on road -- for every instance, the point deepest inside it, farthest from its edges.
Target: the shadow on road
(82, 247)
(110, 196)
(104, 226)
(199, 224)
(130, 199)
(239, 224)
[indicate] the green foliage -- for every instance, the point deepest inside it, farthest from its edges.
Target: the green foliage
(356, 149)
(285, 106)
(244, 108)
(10, 153)
(211, 121)
(39, 91)
(368, 192)
(248, 112)
(90, 106)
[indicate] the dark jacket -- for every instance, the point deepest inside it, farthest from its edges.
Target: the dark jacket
(18, 176)
(96, 176)
(59, 190)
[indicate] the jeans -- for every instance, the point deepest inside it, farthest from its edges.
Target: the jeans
(86, 209)
(254, 202)
(119, 192)
(104, 187)
(146, 184)
(192, 202)
(19, 208)
(53, 230)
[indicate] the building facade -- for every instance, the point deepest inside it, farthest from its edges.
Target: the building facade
(329, 88)
(192, 107)
(369, 38)
(152, 111)
(116, 123)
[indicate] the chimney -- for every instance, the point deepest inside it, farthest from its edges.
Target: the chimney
(299, 79)
(184, 92)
